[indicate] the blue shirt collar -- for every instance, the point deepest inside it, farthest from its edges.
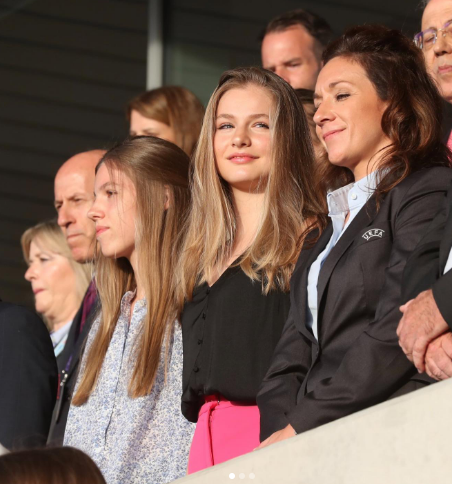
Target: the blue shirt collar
(59, 334)
(353, 195)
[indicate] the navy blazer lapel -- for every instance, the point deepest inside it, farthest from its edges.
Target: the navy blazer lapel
(81, 340)
(300, 286)
(364, 217)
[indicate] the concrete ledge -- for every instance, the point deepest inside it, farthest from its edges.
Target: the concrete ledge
(406, 440)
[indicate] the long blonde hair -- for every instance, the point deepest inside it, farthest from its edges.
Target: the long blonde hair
(175, 106)
(158, 169)
(290, 196)
(49, 236)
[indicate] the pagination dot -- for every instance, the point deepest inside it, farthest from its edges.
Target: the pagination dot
(242, 475)
(231, 475)
(252, 476)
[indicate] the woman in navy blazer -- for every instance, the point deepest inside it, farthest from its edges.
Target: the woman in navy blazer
(378, 118)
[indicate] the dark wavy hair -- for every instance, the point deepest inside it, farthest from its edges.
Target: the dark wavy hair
(413, 118)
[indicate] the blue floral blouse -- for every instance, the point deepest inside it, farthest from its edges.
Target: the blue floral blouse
(133, 441)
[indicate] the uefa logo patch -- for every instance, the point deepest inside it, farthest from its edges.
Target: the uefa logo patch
(373, 233)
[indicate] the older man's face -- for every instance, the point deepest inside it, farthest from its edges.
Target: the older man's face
(74, 195)
(438, 56)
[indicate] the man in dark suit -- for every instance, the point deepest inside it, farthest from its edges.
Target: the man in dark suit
(28, 378)
(438, 54)
(425, 328)
(74, 192)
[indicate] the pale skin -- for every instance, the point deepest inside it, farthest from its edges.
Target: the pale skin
(348, 118)
(142, 126)
(438, 57)
(114, 213)
(438, 359)
(422, 324)
(53, 283)
(294, 55)
(74, 184)
(242, 154)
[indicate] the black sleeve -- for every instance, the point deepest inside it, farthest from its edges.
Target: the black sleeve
(279, 389)
(28, 378)
(442, 293)
(375, 367)
(422, 267)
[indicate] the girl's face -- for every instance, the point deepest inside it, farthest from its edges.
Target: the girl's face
(242, 140)
(52, 279)
(348, 115)
(114, 212)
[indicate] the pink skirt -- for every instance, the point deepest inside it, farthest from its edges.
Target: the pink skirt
(224, 430)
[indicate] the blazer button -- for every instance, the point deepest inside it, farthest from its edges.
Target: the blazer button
(199, 341)
(196, 369)
(208, 290)
(204, 315)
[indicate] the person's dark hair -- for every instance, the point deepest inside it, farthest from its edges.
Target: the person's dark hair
(62, 465)
(412, 120)
(315, 25)
(305, 96)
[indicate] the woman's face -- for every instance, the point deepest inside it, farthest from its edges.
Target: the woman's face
(242, 140)
(142, 126)
(348, 115)
(52, 280)
(114, 213)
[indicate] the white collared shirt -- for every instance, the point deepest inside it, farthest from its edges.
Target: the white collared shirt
(350, 198)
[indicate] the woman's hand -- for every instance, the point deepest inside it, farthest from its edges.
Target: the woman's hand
(283, 434)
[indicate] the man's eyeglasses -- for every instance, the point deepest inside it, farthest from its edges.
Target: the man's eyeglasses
(427, 38)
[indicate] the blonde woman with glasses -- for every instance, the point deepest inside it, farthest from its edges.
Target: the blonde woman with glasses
(253, 196)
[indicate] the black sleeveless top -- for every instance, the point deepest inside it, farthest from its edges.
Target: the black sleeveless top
(230, 331)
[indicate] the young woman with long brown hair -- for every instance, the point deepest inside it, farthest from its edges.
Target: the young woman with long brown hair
(126, 410)
(253, 196)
